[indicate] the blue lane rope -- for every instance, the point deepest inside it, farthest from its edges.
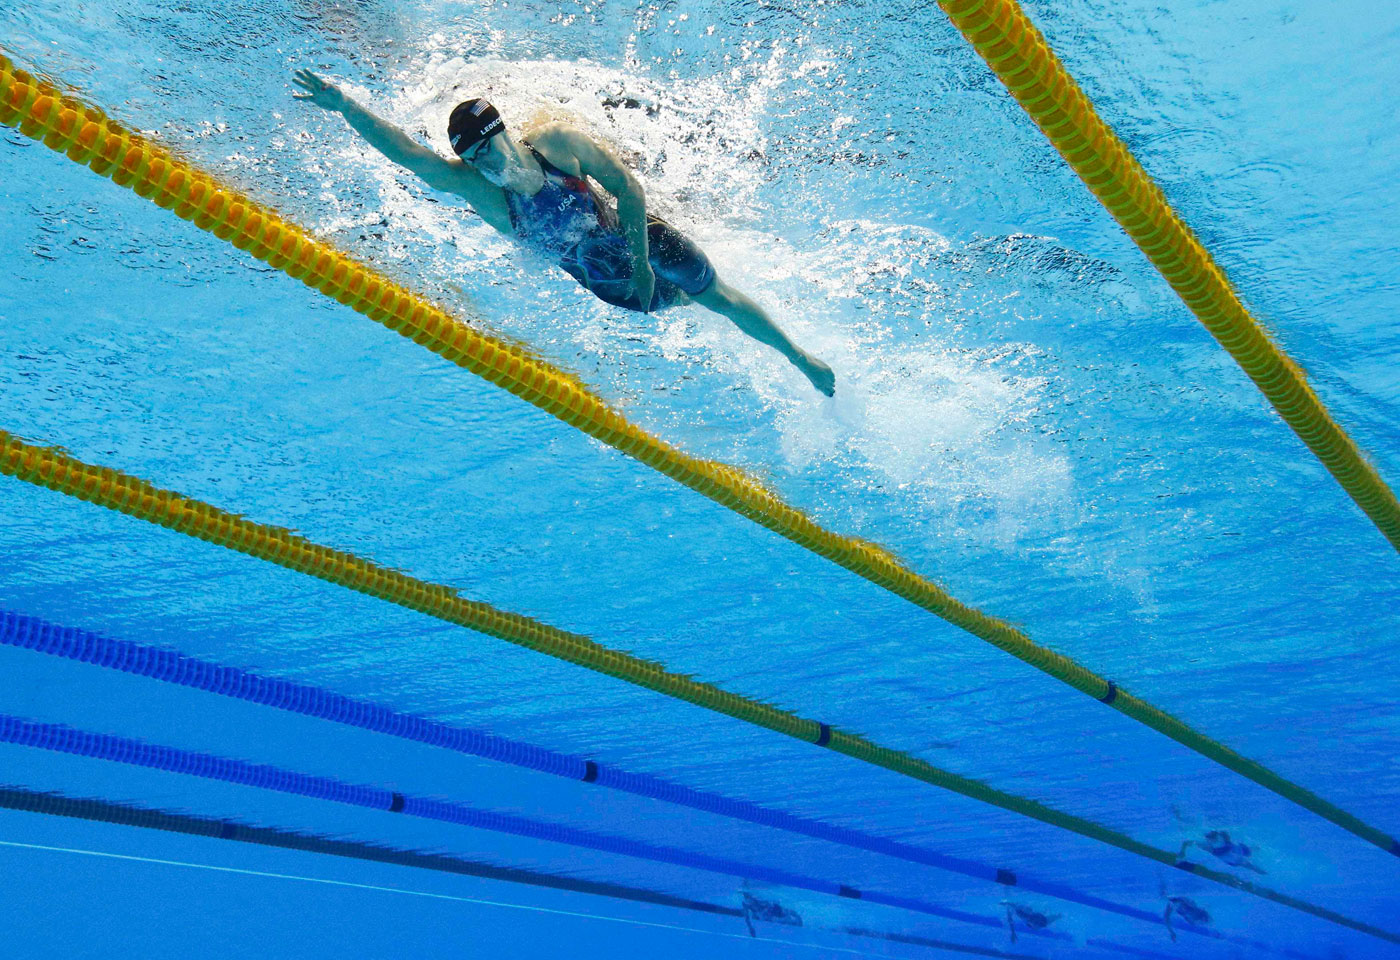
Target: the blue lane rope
(65, 739)
(33, 633)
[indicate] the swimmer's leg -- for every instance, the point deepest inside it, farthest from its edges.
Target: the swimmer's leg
(751, 318)
(678, 259)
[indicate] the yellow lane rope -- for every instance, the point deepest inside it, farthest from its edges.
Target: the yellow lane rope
(1017, 53)
(86, 136)
(105, 487)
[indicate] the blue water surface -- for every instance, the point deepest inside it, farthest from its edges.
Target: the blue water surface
(1025, 413)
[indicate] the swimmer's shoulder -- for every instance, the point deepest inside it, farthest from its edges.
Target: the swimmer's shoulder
(562, 144)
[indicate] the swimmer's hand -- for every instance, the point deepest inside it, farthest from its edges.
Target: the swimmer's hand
(323, 93)
(644, 284)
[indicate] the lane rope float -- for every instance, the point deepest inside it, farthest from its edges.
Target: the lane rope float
(1021, 58)
(53, 469)
(87, 136)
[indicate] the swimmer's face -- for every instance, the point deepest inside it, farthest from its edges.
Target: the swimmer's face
(480, 150)
(490, 159)
(500, 164)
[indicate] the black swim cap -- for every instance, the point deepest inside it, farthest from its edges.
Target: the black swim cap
(472, 122)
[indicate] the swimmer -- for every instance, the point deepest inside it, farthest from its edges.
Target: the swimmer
(1031, 919)
(768, 911)
(1188, 910)
(536, 189)
(1218, 844)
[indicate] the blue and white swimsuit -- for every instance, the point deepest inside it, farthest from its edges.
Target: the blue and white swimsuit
(567, 222)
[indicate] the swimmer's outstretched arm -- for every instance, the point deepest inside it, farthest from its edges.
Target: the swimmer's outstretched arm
(450, 176)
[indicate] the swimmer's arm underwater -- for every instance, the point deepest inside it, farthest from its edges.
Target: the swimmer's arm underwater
(449, 176)
(579, 154)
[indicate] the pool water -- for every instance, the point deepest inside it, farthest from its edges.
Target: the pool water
(1025, 413)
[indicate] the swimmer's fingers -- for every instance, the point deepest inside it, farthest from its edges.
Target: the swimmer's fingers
(644, 284)
(308, 82)
(312, 83)
(320, 92)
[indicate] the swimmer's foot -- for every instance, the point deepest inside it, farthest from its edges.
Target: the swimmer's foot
(819, 373)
